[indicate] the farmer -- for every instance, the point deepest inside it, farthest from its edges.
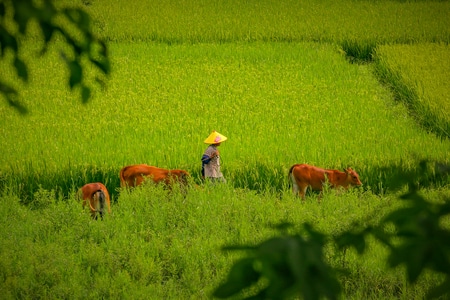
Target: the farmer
(211, 158)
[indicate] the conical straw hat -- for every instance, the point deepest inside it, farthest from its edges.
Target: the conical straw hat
(215, 138)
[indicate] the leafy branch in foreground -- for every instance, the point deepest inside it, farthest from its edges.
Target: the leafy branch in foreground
(420, 240)
(72, 24)
(294, 265)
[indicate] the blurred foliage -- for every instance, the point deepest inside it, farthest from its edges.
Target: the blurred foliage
(291, 264)
(294, 265)
(73, 25)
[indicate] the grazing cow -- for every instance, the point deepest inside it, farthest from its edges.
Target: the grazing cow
(131, 176)
(302, 176)
(97, 196)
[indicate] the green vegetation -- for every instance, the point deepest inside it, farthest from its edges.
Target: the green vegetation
(418, 75)
(416, 234)
(283, 81)
(161, 102)
(360, 22)
(79, 47)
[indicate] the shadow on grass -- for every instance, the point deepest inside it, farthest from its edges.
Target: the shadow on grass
(63, 182)
(260, 178)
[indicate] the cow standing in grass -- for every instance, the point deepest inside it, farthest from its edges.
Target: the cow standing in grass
(134, 175)
(303, 175)
(97, 196)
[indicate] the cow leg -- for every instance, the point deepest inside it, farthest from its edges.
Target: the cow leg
(295, 189)
(302, 192)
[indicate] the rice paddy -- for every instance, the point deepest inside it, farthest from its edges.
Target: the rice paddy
(283, 89)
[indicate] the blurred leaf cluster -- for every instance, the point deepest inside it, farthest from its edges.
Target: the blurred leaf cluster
(294, 265)
(73, 25)
(291, 264)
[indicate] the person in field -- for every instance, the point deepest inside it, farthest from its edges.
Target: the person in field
(211, 158)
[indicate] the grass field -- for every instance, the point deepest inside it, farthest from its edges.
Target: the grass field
(159, 246)
(418, 77)
(283, 89)
(304, 99)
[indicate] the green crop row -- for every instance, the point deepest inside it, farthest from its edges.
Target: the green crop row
(286, 20)
(355, 25)
(181, 69)
(279, 104)
(161, 245)
(418, 75)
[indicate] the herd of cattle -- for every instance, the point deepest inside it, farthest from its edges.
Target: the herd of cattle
(301, 177)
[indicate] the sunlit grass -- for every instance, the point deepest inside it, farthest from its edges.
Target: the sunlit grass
(278, 104)
(264, 74)
(178, 21)
(418, 75)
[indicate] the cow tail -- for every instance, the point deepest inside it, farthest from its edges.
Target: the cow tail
(102, 199)
(289, 174)
(122, 177)
(102, 202)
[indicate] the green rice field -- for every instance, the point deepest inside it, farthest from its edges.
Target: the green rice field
(359, 84)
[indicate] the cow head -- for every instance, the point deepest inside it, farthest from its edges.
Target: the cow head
(352, 177)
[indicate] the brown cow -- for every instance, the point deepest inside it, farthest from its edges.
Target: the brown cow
(97, 196)
(134, 175)
(302, 176)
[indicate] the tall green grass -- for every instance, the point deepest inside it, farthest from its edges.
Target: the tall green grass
(278, 104)
(271, 76)
(159, 244)
(356, 25)
(418, 75)
(177, 21)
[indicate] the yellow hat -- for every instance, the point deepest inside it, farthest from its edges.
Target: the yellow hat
(215, 138)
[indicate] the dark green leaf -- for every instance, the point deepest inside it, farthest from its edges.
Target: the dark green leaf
(78, 17)
(2, 9)
(439, 259)
(238, 247)
(7, 41)
(273, 246)
(100, 82)
(76, 74)
(413, 255)
(415, 268)
(440, 290)
(75, 45)
(283, 227)
(6, 89)
(21, 68)
(241, 276)
(24, 11)
(356, 240)
(103, 49)
(315, 235)
(47, 30)
(102, 65)
(85, 94)
(403, 215)
(442, 168)
(16, 105)
(49, 10)
(444, 209)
